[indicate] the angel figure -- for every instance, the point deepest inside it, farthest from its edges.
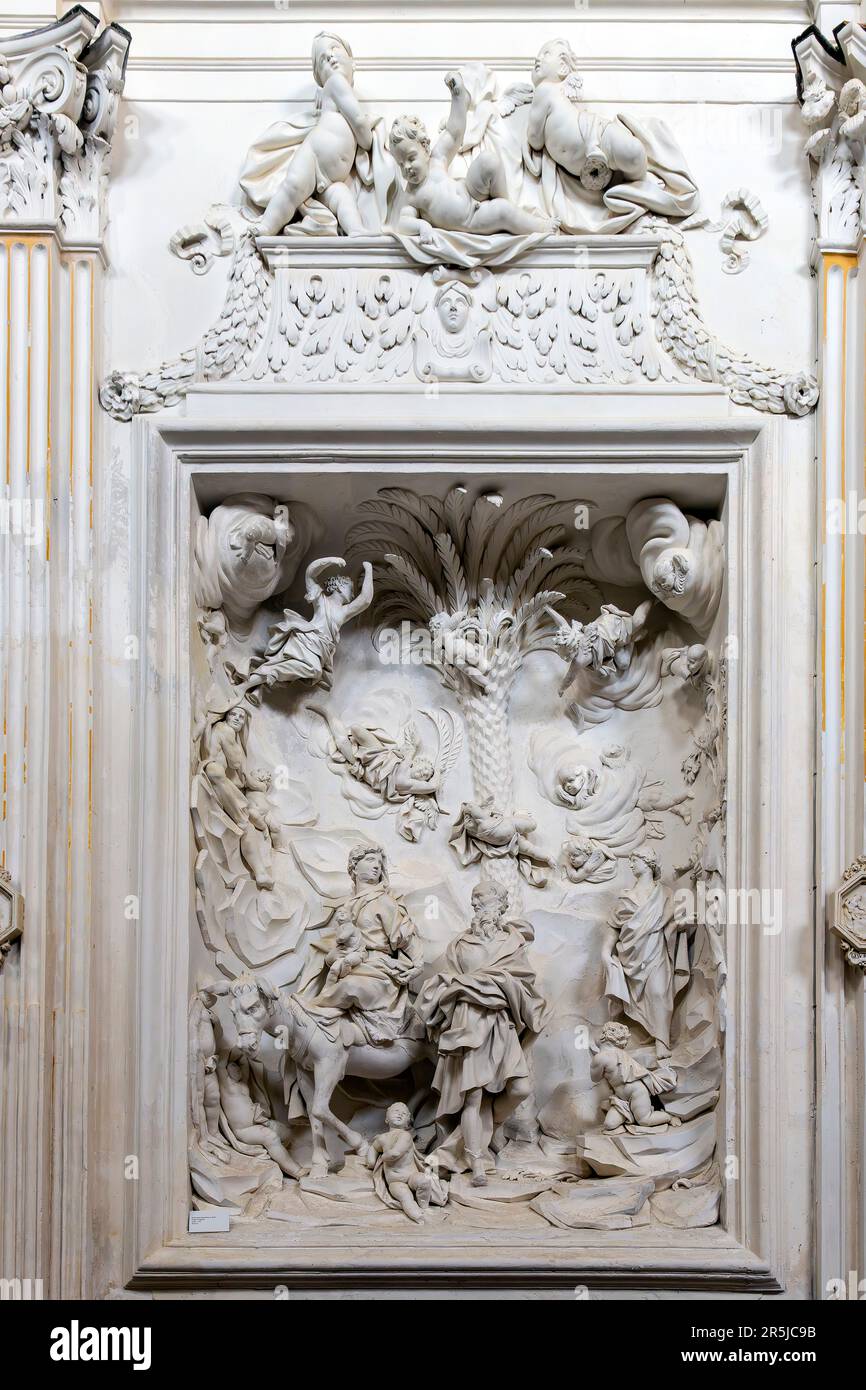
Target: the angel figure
(587, 861)
(592, 149)
(263, 811)
(287, 168)
(396, 769)
(458, 646)
(632, 1085)
(611, 800)
(484, 832)
(478, 203)
(205, 1037)
(604, 646)
(401, 1178)
(302, 649)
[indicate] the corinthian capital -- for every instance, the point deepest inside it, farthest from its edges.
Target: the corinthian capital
(59, 94)
(831, 86)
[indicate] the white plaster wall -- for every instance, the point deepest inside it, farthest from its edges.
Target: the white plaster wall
(204, 79)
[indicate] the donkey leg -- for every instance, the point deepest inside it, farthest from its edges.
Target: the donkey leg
(330, 1068)
(319, 1161)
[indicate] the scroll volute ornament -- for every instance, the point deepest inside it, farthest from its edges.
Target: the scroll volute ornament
(849, 914)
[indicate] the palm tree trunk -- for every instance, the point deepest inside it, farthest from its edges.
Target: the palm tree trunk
(488, 734)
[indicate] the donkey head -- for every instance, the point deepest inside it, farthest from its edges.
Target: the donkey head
(253, 1000)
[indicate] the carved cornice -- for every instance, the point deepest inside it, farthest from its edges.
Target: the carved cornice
(326, 310)
(60, 91)
(831, 89)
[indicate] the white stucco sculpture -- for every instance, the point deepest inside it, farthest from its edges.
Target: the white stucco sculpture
(383, 770)
(224, 767)
(246, 550)
(677, 556)
(483, 832)
(351, 955)
(632, 1085)
(306, 165)
(481, 1010)
(302, 649)
(596, 173)
(478, 203)
(401, 1178)
(611, 800)
(645, 955)
(247, 1111)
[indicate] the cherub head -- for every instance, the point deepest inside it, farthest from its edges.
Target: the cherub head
(409, 143)
(398, 1116)
(670, 573)
(578, 785)
(422, 770)
(453, 303)
(341, 585)
(555, 61)
(617, 1034)
(474, 813)
(577, 851)
(331, 54)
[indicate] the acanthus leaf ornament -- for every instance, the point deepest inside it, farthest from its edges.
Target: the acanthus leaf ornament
(849, 914)
(831, 85)
(555, 257)
(59, 100)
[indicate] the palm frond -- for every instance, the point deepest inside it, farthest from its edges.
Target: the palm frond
(454, 576)
(418, 507)
(418, 584)
(482, 520)
(455, 515)
(509, 521)
(528, 537)
(368, 538)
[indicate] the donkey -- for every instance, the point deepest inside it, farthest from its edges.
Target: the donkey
(259, 1007)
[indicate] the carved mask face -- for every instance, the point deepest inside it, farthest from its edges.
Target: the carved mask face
(453, 311)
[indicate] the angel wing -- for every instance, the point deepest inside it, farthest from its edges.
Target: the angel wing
(518, 95)
(573, 87)
(450, 736)
(409, 740)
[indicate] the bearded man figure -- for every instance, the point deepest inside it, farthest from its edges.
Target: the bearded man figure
(482, 1011)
